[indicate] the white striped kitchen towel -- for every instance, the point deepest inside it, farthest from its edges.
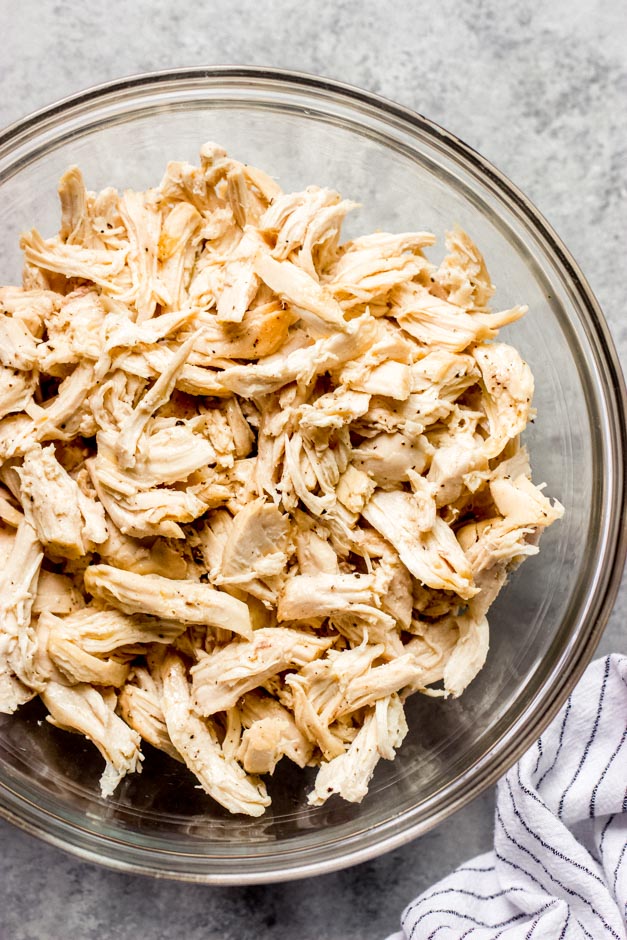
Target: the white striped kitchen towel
(558, 870)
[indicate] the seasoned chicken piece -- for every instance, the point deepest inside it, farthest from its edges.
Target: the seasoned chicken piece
(261, 746)
(310, 699)
(163, 456)
(495, 541)
(438, 323)
(99, 630)
(401, 517)
(386, 245)
(159, 512)
(306, 227)
(185, 601)
(74, 332)
(411, 417)
(426, 545)
(104, 211)
(452, 462)
(241, 433)
(221, 678)
(121, 331)
(431, 648)
(76, 225)
(84, 709)
(122, 551)
(311, 694)
(384, 367)
(299, 479)
(140, 705)
(333, 410)
(60, 418)
(10, 478)
(285, 221)
(270, 733)
(9, 512)
(463, 273)
(18, 645)
(378, 682)
(397, 599)
(210, 537)
(185, 183)
(157, 396)
(232, 487)
(112, 401)
(238, 282)
(246, 201)
(175, 253)
(313, 462)
(354, 489)
(215, 164)
(255, 553)
(302, 364)
(468, 655)
(372, 624)
(67, 521)
(30, 307)
(142, 218)
(371, 266)
(57, 594)
(522, 503)
(340, 684)
(197, 743)
(215, 426)
(508, 384)
(315, 554)
(18, 346)
(101, 266)
(75, 663)
(262, 332)
(445, 374)
(393, 584)
(350, 773)
(328, 456)
(313, 303)
(388, 459)
(261, 182)
(16, 390)
(322, 595)
(391, 379)
(503, 540)
(226, 279)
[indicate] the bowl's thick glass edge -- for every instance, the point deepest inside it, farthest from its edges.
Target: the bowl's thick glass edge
(380, 840)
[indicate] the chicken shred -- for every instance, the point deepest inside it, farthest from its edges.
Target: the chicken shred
(257, 485)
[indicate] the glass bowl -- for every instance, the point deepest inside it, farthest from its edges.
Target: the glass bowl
(407, 173)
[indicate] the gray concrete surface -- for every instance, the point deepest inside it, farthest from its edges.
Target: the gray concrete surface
(541, 90)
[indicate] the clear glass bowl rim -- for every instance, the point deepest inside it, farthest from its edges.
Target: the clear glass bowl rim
(570, 664)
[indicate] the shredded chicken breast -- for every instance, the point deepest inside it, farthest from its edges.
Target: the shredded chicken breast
(257, 485)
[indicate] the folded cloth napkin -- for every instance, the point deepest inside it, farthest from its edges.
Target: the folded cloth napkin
(558, 870)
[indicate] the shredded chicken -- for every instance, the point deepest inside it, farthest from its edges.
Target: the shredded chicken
(197, 742)
(257, 485)
(90, 712)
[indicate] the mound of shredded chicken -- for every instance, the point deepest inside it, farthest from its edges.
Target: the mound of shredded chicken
(257, 485)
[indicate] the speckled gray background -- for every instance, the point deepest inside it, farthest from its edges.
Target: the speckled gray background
(540, 88)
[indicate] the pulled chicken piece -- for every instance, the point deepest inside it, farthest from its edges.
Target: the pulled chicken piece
(90, 712)
(220, 678)
(197, 742)
(185, 601)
